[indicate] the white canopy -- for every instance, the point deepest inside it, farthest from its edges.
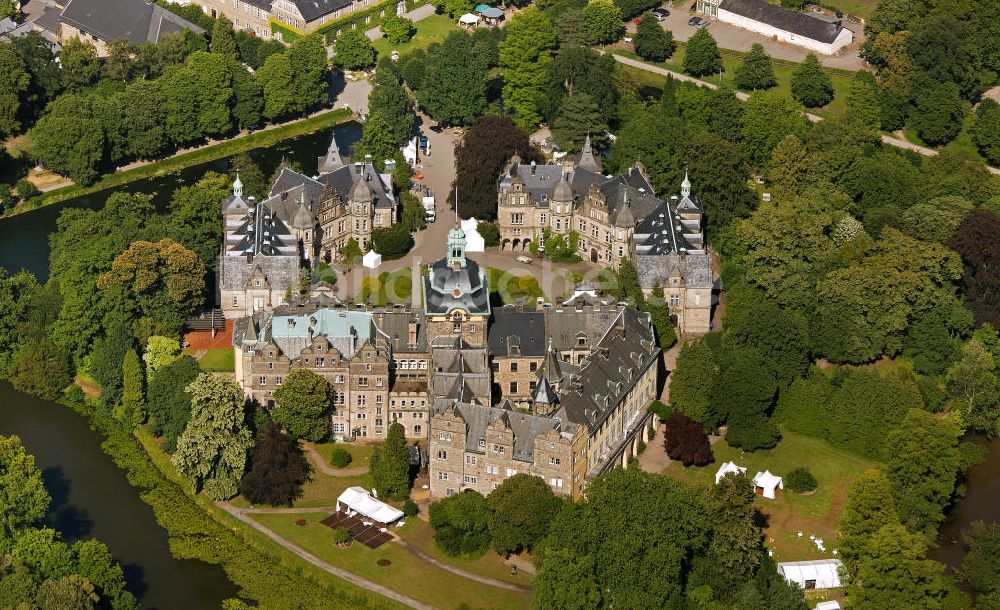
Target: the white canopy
(728, 468)
(358, 500)
(768, 483)
(829, 605)
(468, 19)
(372, 259)
(815, 574)
(473, 240)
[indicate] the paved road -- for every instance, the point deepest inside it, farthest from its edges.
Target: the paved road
(888, 139)
(241, 514)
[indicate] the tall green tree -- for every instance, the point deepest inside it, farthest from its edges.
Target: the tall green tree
(169, 401)
(756, 71)
(248, 97)
(390, 121)
(215, 92)
(811, 84)
(519, 513)
(869, 507)
(390, 469)
(702, 56)
(212, 451)
(132, 407)
(80, 65)
(578, 118)
(790, 163)
(694, 375)
(769, 117)
(454, 83)
(69, 139)
(303, 405)
(863, 100)
(310, 70)
(737, 546)
(223, 38)
(23, 497)
(652, 42)
(604, 21)
(41, 368)
(194, 214)
(986, 131)
(893, 573)
(938, 113)
(524, 55)
(974, 387)
(145, 119)
(277, 82)
(13, 87)
(353, 50)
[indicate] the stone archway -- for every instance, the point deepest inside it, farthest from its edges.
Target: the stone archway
(526, 245)
(505, 245)
(516, 244)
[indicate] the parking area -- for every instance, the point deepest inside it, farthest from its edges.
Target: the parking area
(367, 533)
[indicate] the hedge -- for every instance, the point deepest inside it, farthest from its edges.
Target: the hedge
(194, 534)
(330, 30)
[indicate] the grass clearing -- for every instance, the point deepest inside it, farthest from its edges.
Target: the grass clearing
(217, 360)
(406, 573)
(430, 29)
(817, 513)
(387, 288)
(508, 286)
(421, 536)
(361, 455)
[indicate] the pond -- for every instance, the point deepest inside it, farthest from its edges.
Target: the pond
(92, 499)
(24, 241)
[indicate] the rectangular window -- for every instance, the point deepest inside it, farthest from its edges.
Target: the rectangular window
(557, 483)
(362, 382)
(532, 366)
(543, 218)
(513, 367)
(442, 454)
(443, 476)
(320, 361)
(378, 399)
(554, 461)
(456, 327)
(499, 449)
(675, 300)
(262, 380)
(511, 472)
(277, 380)
(513, 387)
(470, 459)
(469, 479)
(378, 382)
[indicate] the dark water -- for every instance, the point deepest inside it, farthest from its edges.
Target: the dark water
(92, 499)
(24, 242)
(981, 503)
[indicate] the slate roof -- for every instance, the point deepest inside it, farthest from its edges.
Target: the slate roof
(312, 10)
(442, 283)
(526, 329)
(694, 268)
(281, 271)
(134, 20)
(478, 417)
(801, 24)
(395, 326)
(343, 179)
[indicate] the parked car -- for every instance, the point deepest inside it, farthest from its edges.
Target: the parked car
(698, 22)
(524, 260)
(660, 13)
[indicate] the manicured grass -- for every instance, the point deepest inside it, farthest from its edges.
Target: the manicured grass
(430, 29)
(360, 454)
(421, 535)
(406, 573)
(858, 8)
(817, 513)
(782, 70)
(507, 286)
(176, 163)
(387, 288)
(218, 360)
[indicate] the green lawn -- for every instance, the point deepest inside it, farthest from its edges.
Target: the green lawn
(782, 70)
(858, 8)
(508, 286)
(387, 288)
(429, 29)
(217, 360)
(816, 513)
(421, 535)
(406, 573)
(360, 454)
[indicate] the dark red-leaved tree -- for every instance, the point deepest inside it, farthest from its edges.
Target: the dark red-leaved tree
(277, 469)
(480, 157)
(977, 240)
(685, 440)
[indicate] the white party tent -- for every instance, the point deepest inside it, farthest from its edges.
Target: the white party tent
(474, 242)
(765, 484)
(358, 500)
(372, 259)
(728, 468)
(815, 574)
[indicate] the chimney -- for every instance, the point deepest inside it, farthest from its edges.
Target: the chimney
(412, 338)
(357, 167)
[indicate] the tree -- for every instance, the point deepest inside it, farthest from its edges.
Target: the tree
(652, 42)
(390, 470)
(789, 164)
(133, 403)
(144, 120)
(340, 457)
(768, 118)
(974, 387)
(571, 29)
(353, 50)
(72, 592)
(869, 507)
(223, 38)
(863, 100)
(169, 401)
(277, 81)
(23, 496)
(248, 97)
(647, 136)
(934, 340)
(307, 57)
(392, 242)
(737, 546)
(893, 573)
(923, 467)
(578, 118)
(69, 139)
(986, 131)
(571, 586)
(524, 54)
(194, 214)
(480, 157)
(242, 166)
(756, 71)
(938, 113)
(41, 368)
(303, 404)
(702, 56)
(159, 352)
(459, 523)
(181, 89)
(801, 480)
(212, 451)
(278, 469)
(454, 82)
(694, 375)
(685, 440)
(520, 510)
(720, 173)
(80, 65)
(9, 9)
(389, 125)
(397, 29)
(946, 50)
(937, 219)
(976, 241)
(982, 560)
(12, 89)
(604, 21)
(811, 84)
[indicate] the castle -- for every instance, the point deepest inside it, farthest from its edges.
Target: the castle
(610, 218)
(268, 244)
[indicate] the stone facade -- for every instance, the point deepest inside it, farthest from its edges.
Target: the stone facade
(303, 16)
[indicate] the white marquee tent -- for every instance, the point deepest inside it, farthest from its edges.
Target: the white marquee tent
(468, 19)
(766, 484)
(358, 500)
(372, 259)
(815, 574)
(473, 240)
(727, 468)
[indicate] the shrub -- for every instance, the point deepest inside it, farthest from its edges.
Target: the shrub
(459, 523)
(410, 508)
(800, 480)
(26, 189)
(341, 536)
(489, 232)
(685, 440)
(341, 457)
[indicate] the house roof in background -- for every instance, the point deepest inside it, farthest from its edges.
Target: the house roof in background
(134, 20)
